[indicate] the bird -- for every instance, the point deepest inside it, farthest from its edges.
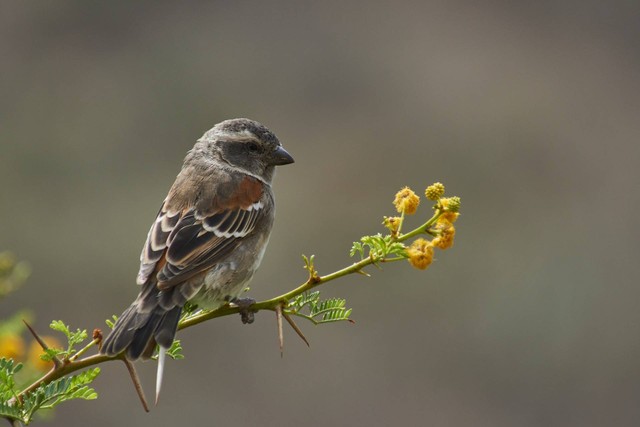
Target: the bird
(207, 239)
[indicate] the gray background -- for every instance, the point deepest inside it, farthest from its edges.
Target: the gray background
(527, 110)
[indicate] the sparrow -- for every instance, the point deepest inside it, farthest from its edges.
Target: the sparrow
(208, 238)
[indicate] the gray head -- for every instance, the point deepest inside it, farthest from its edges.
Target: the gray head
(245, 144)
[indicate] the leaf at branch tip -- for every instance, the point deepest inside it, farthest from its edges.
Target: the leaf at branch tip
(310, 267)
(357, 249)
(58, 325)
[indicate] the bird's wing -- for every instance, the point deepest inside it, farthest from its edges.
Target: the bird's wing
(183, 243)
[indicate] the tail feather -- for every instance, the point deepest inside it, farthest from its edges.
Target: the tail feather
(142, 325)
(144, 335)
(166, 331)
(162, 355)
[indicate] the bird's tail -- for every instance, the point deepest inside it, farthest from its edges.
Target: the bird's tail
(152, 318)
(139, 328)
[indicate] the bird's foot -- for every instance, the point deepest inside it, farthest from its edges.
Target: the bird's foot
(244, 304)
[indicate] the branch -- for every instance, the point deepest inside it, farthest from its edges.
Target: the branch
(227, 310)
(373, 250)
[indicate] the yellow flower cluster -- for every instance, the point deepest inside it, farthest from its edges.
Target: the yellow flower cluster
(406, 201)
(420, 253)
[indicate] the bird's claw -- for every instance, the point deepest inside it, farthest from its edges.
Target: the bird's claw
(246, 313)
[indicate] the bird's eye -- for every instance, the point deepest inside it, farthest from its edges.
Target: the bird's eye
(253, 147)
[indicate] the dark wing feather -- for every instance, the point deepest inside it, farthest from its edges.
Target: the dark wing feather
(156, 244)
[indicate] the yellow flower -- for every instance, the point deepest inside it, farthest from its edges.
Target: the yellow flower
(420, 254)
(449, 217)
(450, 207)
(392, 223)
(406, 201)
(434, 191)
(35, 351)
(11, 347)
(445, 239)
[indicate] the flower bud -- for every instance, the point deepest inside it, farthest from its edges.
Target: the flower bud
(434, 191)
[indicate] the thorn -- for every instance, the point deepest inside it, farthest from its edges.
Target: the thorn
(136, 383)
(280, 334)
(295, 328)
(57, 363)
(364, 273)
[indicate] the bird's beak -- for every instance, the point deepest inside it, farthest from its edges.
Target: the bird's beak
(281, 157)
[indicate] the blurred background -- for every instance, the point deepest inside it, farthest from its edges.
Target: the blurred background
(527, 110)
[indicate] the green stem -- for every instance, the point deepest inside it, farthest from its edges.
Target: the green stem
(422, 229)
(394, 259)
(84, 350)
(401, 222)
(271, 304)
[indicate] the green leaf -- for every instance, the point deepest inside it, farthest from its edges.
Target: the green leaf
(73, 338)
(175, 351)
(58, 391)
(77, 337)
(58, 325)
(8, 369)
(112, 321)
(357, 249)
(85, 377)
(329, 310)
(45, 396)
(304, 299)
(10, 411)
(398, 248)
